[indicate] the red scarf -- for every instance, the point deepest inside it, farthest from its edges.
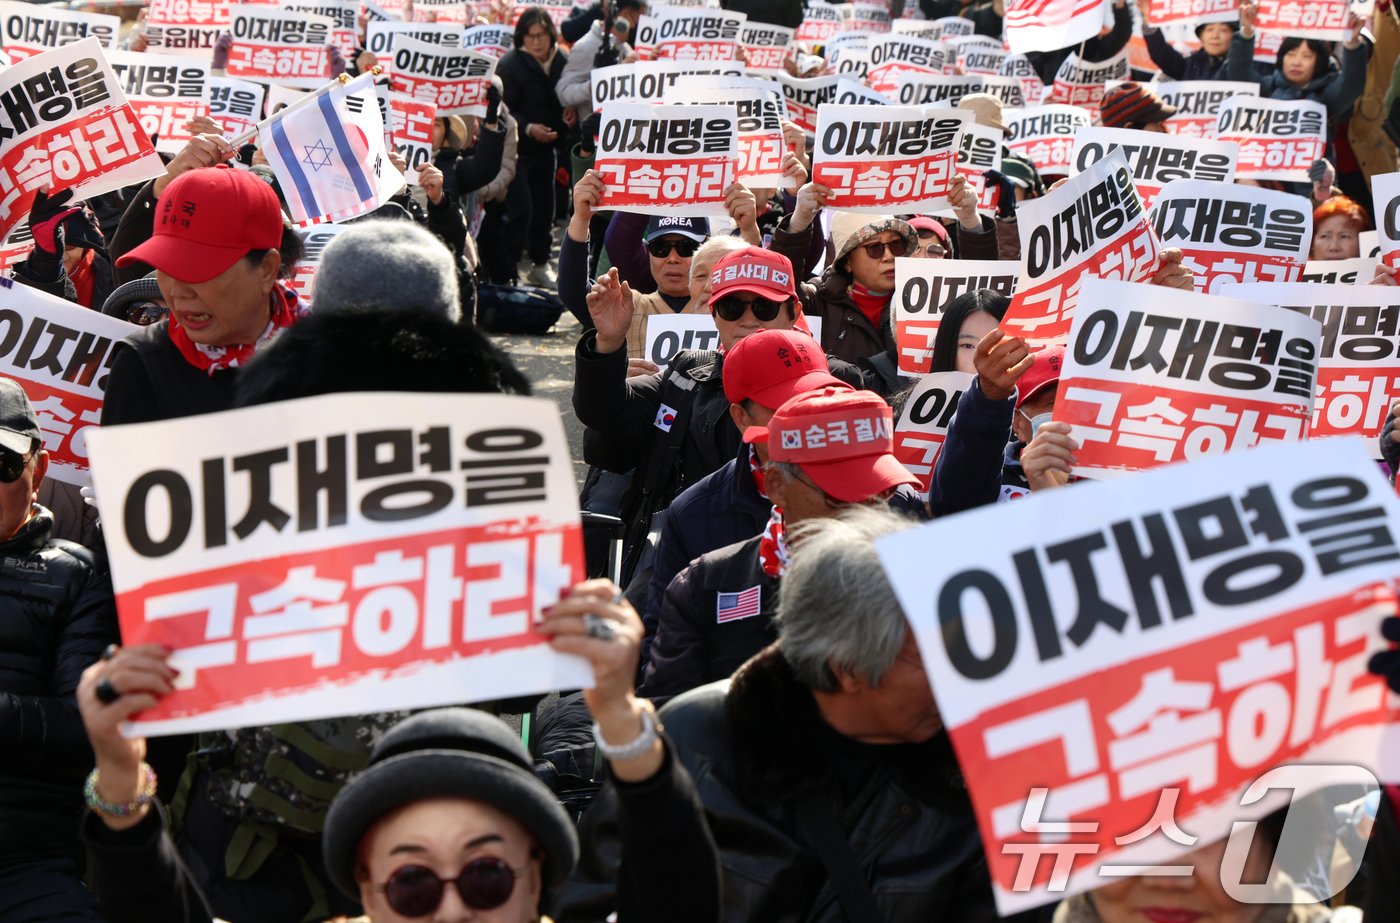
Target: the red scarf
(871, 304)
(772, 548)
(285, 310)
(81, 277)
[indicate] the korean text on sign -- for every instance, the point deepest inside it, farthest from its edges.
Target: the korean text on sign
(1155, 375)
(1198, 102)
(923, 425)
(1045, 135)
(923, 289)
(884, 159)
(30, 28)
(1278, 139)
(1093, 225)
(453, 79)
(667, 160)
(275, 46)
(1148, 666)
(1386, 190)
(760, 110)
(302, 562)
(1157, 159)
(165, 92)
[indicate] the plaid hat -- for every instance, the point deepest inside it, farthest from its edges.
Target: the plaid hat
(1130, 104)
(207, 220)
(985, 108)
(771, 366)
(843, 440)
(447, 753)
(1043, 373)
(124, 296)
(696, 229)
(756, 271)
(851, 229)
(19, 427)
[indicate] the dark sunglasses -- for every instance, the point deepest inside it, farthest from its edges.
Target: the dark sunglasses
(416, 891)
(12, 465)
(876, 251)
(732, 307)
(146, 313)
(662, 248)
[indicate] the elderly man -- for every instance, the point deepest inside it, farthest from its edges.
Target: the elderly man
(828, 783)
(827, 450)
(58, 615)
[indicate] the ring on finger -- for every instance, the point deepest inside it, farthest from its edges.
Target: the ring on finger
(599, 628)
(106, 693)
(110, 651)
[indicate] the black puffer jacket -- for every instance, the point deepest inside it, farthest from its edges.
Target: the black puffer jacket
(56, 616)
(759, 750)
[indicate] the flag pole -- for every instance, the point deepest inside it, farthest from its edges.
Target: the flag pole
(340, 81)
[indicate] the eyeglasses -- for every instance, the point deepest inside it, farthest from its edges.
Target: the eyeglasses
(876, 251)
(416, 891)
(662, 248)
(146, 313)
(732, 307)
(12, 465)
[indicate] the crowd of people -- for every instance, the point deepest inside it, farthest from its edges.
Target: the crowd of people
(762, 742)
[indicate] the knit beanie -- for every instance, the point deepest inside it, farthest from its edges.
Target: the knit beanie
(389, 265)
(1130, 104)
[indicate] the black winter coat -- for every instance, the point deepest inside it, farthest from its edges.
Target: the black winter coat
(696, 642)
(759, 751)
(529, 94)
(58, 616)
(1196, 66)
(150, 380)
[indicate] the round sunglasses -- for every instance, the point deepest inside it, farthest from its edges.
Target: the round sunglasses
(416, 890)
(732, 307)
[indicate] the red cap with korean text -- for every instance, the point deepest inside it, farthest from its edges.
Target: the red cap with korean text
(771, 366)
(1043, 373)
(756, 271)
(843, 440)
(207, 220)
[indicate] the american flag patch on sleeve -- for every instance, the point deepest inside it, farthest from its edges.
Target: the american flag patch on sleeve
(730, 607)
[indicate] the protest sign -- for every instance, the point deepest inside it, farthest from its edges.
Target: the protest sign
(848, 54)
(765, 47)
(805, 95)
(165, 92)
(235, 104)
(759, 109)
(648, 81)
(1118, 674)
(923, 289)
(698, 35)
(1358, 374)
(850, 93)
(668, 334)
(1198, 104)
(820, 21)
(558, 12)
(1319, 19)
(341, 12)
(455, 80)
(869, 17)
(1156, 159)
(382, 38)
(978, 152)
(1049, 25)
(666, 160)
(1044, 135)
(313, 242)
(1370, 244)
(275, 46)
(1082, 83)
(15, 247)
(188, 27)
(1155, 375)
(489, 39)
(1020, 67)
(1278, 139)
(1385, 189)
(919, 28)
(31, 28)
(923, 424)
(1192, 12)
(1358, 271)
(457, 12)
(950, 26)
(1093, 225)
(948, 90)
(409, 124)
(883, 159)
(67, 126)
(292, 583)
(1233, 233)
(894, 57)
(279, 98)
(60, 353)
(978, 54)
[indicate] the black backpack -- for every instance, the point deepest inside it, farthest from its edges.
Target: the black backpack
(517, 309)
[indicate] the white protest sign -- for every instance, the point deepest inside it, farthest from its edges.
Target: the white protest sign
(648, 81)
(894, 57)
(923, 425)
(455, 80)
(1357, 271)
(1049, 25)
(1156, 159)
(698, 35)
(883, 159)
(271, 45)
(342, 554)
(1198, 102)
(235, 104)
(760, 110)
(30, 28)
(313, 243)
(1385, 189)
(923, 288)
(1278, 139)
(947, 90)
(1238, 596)
(667, 160)
(1082, 83)
(165, 92)
(765, 47)
(1044, 135)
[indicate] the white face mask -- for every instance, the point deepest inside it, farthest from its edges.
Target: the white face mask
(1037, 421)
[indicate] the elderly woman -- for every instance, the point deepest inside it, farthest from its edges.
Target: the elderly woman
(1337, 227)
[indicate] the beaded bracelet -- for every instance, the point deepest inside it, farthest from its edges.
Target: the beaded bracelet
(143, 798)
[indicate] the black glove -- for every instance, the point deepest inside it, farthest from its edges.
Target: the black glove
(493, 104)
(1006, 201)
(1318, 169)
(1390, 449)
(1387, 663)
(46, 217)
(590, 128)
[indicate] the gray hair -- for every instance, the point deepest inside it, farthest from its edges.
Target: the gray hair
(835, 606)
(716, 248)
(388, 266)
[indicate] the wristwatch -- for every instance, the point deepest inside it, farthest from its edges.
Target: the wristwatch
(634, 748)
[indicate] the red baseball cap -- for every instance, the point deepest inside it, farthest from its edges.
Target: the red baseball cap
(1043, 373)
(207, 220)
(756, 271)
(771, 366)
(842, 438)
